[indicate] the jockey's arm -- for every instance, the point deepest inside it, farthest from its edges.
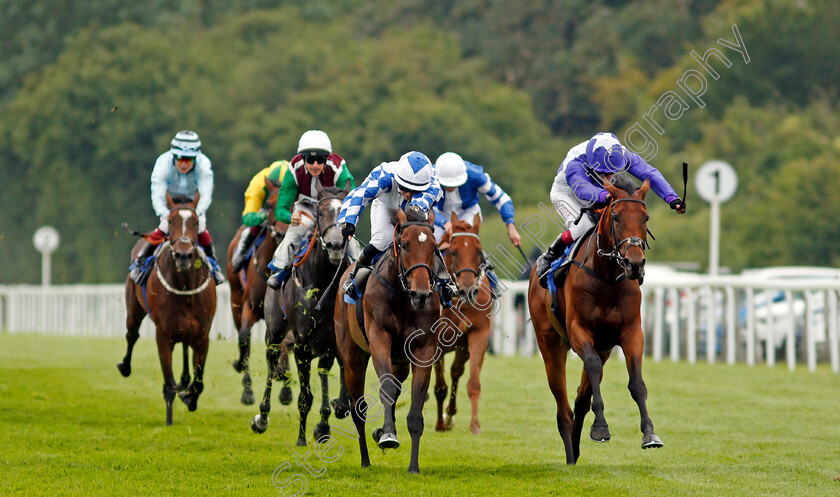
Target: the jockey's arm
(582, 184)
(376, 183)
(496, 196)
(254, 198)
(343, 176)
(160, 179)
(204, 178)
(642, 170)
(427, 199)
(286, 199)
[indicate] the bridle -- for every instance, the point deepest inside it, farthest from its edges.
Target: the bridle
(479, 274)
(404, 272)
(616, 253)
(183, 238)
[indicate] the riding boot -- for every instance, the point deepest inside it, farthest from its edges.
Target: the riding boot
(135, 271)
(544, 261)
(245, 240)
(495, 287)
(218, 276)
(447, 286)
(364, 261)
(278, 275)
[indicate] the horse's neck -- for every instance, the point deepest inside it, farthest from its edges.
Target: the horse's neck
(318, 268)
(601, 265)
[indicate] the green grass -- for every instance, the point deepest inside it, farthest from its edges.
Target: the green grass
(71, 425)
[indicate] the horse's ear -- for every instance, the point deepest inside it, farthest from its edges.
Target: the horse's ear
(401, 217)
(271, 185)
(476, 223)
(431, 217)
(348, 186)
(642, 191)
(169, 202)
(316, 184)
(615, 192)
(194, 202)
(453, 219)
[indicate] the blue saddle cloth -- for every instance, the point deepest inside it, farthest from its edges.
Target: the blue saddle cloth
(561, 261)
(254, 247)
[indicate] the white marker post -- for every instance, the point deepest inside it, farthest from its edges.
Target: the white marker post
(716, 183)
(46, 241)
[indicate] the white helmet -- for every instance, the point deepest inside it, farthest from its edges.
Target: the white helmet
(451, 170)
(414, 172)
(314, 142)
(185, 144)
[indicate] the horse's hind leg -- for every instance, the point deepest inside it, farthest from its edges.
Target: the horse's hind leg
(190, 396)
(638, 390)
(241, 365)
(272, 355)
(303, 359)
(554, 352)
(185, 375)
(286, 345)
(134, 317)
(325, 364)
(341, 405)
(440, 393)
(462, 355)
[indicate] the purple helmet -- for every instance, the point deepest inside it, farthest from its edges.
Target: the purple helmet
(605, 154)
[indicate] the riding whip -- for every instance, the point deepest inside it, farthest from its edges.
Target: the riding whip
(524, 257)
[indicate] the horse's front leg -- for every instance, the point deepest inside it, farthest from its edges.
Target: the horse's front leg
(165, 347)
(633, 347)
(441, 389)
(303, 359)
(462, 355)
(241, 365)
(272, 354)
(185, 374)
(389, 386)
(325, 364)
(419, 388)
(478, 346)
(593, 368)
(190, 395)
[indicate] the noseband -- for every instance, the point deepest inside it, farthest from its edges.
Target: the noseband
(633, 241)
(404, 272)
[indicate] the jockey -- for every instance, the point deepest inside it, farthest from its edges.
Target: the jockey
(254, 215)
(462, 181)
(297, 201)
(182, 170)
(579, 184)
(408, 182)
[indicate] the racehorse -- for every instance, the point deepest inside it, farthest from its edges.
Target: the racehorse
(401, 307)
(597, 307)
(180, 297)
(470, 314)
(247, 290)
(293, 307)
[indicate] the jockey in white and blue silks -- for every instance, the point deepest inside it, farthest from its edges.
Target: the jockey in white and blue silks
(409, 181)
(462, 181)
(182, 170)
(578, 184)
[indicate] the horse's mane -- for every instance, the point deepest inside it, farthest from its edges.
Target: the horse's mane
(461, 225)
(625, 182)
(333, 190)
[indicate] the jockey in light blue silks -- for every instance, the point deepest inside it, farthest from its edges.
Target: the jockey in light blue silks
(182, 170)
(408, 182)
(462, 181)
(579, 184)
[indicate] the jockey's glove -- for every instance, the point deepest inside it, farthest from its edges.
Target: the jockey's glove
(348, 230)
(678, 205)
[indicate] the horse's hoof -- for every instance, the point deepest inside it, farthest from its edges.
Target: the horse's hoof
(440, 426)
(237, 366)
(190, 400)
(321, 429)
(475, 427)
(651, 442)
(388, 441)
(413, 471)
(599, 434)
(340, 408)
(301, 442)
(286, 396)
(449, 419)
(259, 424)
(247, 397)
(125, 368)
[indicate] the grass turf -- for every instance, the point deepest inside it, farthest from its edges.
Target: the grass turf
(71, 425)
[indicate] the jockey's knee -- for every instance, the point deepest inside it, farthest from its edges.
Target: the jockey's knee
(204, 238)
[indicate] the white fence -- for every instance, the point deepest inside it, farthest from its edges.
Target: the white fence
(685, 317)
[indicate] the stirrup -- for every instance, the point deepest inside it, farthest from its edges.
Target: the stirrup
(349, 287)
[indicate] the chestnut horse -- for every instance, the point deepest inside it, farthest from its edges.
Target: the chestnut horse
(180, 297)
(401, 307)
(247, 291)
(292, 307)
(470, 314)
(597, 308)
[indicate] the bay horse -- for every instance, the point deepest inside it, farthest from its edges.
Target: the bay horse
(597, 308)
(180, 297)
(247, 291)
(470, 313)
(292, 307)
(401, 308)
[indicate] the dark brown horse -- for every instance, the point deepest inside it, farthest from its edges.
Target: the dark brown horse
(401, 308)
(180, 297)
(292, 307)
(471, 314)
(247, 291)
(597, 308)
